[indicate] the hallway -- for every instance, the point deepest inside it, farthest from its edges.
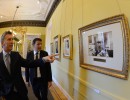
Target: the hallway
(32, 96)
(54, 93)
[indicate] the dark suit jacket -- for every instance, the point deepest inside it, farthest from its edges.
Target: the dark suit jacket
(46, 74)
(15, 78)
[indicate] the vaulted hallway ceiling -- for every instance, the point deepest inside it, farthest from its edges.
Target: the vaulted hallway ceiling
(29, 10)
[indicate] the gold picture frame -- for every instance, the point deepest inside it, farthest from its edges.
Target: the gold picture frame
(67, 47)
(104, 46)
(57, 47)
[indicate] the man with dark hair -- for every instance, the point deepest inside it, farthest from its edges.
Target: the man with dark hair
(12, 86)
(40, 78)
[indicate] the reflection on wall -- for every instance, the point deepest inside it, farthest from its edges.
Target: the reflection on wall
(29, 47)
(19, 33)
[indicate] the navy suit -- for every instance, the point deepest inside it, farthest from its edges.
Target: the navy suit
(14, 79)
(39, 85)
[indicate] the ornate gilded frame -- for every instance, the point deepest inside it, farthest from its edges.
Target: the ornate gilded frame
(67, 51)
(57, 47)
(106, 65)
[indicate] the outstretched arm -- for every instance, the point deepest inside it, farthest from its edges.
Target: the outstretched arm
(40, 62)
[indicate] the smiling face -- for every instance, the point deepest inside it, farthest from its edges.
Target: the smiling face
(7, 43)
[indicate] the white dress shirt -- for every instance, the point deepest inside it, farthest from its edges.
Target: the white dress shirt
(38, 69)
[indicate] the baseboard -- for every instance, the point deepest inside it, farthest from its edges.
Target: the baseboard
(92, 87)
(63, 91)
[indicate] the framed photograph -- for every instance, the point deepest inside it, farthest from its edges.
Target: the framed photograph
(51, 49)
(104, 46)
(57, 46)
(67, 46)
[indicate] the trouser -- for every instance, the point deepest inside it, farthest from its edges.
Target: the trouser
(15, 96)
(40, 88)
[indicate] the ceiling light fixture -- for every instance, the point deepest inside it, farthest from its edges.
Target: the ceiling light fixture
(38, 2)
(1, 16)
(14, 15)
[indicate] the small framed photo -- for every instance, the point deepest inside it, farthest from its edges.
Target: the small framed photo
(104, 46)
(57, 46)
(51, 48)
(67, 46)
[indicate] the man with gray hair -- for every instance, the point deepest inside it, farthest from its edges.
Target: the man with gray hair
(12, 86)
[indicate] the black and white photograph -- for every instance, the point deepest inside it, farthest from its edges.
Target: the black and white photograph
(100, 44)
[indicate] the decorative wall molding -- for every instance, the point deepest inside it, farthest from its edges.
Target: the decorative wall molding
(36, 23)
(23, 23)
(54, 5)
(92, 87)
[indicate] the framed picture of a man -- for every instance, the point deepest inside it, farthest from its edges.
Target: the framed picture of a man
(104, 46)
(67, 46)
(57, 46)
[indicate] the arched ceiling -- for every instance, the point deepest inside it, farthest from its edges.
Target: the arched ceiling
(29, 10)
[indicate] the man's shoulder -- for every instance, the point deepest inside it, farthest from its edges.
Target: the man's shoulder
(14, 52)
(29, 52)
(44, 52)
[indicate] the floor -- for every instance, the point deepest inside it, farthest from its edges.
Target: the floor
(57, 93)
(32, 96)
(54, 92)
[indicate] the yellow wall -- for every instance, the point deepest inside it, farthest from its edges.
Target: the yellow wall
(80, 83)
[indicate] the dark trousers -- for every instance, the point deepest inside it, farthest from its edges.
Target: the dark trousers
(15, 96)
(40, 88)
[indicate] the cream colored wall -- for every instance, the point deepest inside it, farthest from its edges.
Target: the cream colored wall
(81, 84)
(30, 30)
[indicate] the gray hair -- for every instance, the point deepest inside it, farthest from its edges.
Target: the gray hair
(4, 34)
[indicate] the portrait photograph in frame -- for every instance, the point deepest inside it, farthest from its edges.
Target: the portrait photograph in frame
(51, 48)
(57, 46)
(104, 46)
(67, 46)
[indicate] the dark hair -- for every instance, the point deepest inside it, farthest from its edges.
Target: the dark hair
(36, 39)
(4, 34)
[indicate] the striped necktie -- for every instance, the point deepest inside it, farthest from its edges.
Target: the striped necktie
(7, 62)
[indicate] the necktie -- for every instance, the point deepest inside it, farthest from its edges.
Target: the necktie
(7, 62)
(36, 67)
(37, 55)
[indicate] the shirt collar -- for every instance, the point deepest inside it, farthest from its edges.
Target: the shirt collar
(36, 52)
(4, 53)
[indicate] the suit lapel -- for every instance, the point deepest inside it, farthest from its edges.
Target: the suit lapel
(13, 59)
(3, 68)
(42, 54)
(31, 56)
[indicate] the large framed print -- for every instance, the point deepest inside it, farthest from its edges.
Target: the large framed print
(104, 46)
(57, 47)
(67, 46)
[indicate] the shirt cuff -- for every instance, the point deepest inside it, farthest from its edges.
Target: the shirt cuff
(43, 60)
